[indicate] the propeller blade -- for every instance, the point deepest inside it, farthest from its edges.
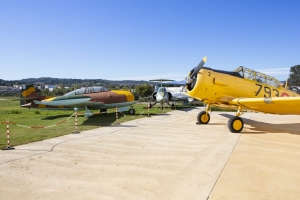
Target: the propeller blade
(198, 68)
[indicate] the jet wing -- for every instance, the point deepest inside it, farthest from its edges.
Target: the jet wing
(274, 105)
(64, 100)
(180, 98)
(94, 104)
(100, 105)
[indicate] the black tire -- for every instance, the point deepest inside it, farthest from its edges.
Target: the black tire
(173, 106)
(103, 111)
(203, 118)
(235, 125)
(131, 111)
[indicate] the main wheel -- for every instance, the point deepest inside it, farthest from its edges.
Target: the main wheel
(131, 111)
(235, 125)
(172, 106)
(151, 105)
(203, 118)
(103, 111)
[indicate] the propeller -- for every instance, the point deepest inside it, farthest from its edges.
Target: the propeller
(195, 71)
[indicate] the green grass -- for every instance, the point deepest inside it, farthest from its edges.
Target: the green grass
(10, 110)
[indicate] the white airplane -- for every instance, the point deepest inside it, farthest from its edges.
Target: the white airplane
(178, 94)
(162, 96)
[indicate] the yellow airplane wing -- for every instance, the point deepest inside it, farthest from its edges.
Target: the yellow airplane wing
(274, 105)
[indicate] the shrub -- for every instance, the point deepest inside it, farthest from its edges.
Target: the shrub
(16, 112)
(37, 112)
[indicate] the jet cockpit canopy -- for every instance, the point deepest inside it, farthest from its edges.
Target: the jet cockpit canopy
(87, 90)
(162, 89)
(257, 76)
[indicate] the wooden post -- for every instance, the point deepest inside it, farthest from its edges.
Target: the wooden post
(76, 124)
(117, 120)
(7, 136)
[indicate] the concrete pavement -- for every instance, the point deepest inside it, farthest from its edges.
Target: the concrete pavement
(160, 157)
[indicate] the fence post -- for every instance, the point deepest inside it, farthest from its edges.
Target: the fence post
(148, 110)
(76, 124)
(117, 120)
(7, 135)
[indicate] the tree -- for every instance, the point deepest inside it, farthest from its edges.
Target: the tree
(45, 92)
(143, 90)
(294, 79)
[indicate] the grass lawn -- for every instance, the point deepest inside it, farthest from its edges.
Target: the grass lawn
(10, 110)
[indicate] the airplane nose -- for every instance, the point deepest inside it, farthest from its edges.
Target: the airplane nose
(159, 97)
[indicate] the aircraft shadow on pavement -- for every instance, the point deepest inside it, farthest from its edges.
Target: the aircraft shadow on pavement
(263, 127)
(56, 117)
(185, 109)
(101, 119)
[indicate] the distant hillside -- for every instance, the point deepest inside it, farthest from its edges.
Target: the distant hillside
(70, 82)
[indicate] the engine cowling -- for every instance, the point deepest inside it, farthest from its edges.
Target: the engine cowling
(190, 86)
(154, 95)
(170, 96)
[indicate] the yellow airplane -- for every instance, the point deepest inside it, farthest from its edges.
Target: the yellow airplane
(241, 89)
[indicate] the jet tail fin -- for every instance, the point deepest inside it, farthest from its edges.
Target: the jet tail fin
(28, 93)
(28, 96)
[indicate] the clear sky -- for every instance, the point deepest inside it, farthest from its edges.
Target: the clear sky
(146, 39)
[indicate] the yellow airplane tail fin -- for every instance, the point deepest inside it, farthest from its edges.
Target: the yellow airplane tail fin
(286, 83)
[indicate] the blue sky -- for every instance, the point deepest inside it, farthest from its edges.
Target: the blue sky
(142, 40)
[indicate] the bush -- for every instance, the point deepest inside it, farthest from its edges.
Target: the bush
(37, 112)
(16, 112)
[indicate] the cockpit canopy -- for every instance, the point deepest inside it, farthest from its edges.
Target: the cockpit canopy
(257, 76)
(162, 89)
(87, 90)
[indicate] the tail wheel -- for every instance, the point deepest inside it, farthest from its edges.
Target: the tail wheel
(235, 125)
(131, 111)
(203, 118)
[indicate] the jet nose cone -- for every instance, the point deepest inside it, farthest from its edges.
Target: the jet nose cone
(159, 97)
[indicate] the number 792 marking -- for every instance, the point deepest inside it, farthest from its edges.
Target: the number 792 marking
(267, 91)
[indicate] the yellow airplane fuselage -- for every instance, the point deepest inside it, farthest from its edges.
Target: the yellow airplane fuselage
(225, 90)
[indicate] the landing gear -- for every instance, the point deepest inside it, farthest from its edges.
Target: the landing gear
(172, 106)
(203, 117)
(88, 113)
(103, 111)
(131, 111)
(151, 105)
(236, 124)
